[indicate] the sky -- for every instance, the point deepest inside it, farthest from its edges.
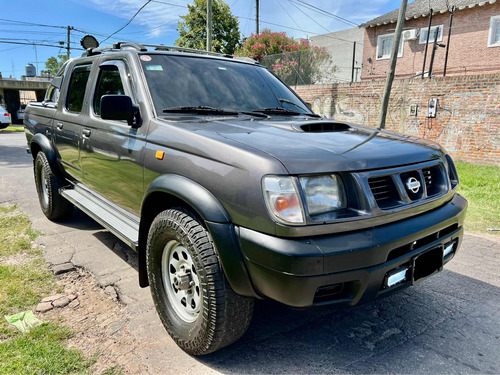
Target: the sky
(155, 24)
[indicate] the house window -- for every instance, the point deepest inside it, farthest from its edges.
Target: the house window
(494, 37)
(434, 29)
(384, 46)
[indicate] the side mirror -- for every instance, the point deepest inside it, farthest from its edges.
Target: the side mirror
(309, 105)
(56, 82)
(117, 107)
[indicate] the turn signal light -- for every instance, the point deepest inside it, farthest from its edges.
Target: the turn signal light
(284, 203)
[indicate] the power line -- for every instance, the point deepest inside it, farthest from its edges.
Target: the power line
(31, 24)
(31, 32)
(304, 31)
(307, 15)
(130, 20)
(31, 44)
(345, 20)
(293, 19)
(8, 49)
(164, 2)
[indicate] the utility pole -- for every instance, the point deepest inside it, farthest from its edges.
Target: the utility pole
(68, 48)
(353, 61)
(257, 31)
(36, 60)
(392, 64)
(209, 25)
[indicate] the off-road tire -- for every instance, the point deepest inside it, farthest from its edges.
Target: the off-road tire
(224, 315)
(53, 205)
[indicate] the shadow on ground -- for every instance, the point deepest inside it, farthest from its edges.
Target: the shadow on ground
(432, 328)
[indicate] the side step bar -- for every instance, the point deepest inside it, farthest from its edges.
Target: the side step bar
(121, 223)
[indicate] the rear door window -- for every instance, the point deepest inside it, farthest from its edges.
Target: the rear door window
(76, 89)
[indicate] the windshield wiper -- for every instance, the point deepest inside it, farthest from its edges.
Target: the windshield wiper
(277, 111)
(283, 100)
(256, 114)
(284, 112)
(201, 110)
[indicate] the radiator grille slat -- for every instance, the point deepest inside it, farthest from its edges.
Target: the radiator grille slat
(434, 179)
(384, 191)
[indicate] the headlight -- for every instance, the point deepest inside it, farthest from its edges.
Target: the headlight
(282, 199)
(323, 194)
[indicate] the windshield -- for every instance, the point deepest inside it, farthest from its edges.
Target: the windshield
(184, 81)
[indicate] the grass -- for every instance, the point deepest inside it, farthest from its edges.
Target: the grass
(42, 351)
(13, 128)
(16, 233)
(24, 277)
(24, 281)
(479, 184)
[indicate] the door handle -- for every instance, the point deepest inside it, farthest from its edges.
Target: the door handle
(86, 133)
(60, 125)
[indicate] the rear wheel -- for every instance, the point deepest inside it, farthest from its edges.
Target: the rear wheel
(192, 296)
(53, 205)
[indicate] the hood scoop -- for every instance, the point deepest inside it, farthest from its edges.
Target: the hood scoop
(324, 127)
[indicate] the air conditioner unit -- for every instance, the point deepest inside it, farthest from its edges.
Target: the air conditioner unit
(411, 34)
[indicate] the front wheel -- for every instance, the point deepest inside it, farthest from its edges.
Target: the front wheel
(53, 205)
(192, 296)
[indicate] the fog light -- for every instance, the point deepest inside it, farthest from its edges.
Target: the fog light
(448, 249)
(396, 277)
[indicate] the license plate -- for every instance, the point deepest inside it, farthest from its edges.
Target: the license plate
(427, 264)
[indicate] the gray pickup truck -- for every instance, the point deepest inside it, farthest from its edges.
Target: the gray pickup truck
(231, 189)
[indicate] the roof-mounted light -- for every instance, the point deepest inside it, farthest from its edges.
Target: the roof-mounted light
(88, 41)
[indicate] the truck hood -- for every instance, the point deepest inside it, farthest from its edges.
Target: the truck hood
(319, 146)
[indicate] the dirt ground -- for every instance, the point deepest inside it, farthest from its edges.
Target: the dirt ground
(99, 321)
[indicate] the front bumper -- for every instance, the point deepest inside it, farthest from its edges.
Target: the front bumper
(350, 267)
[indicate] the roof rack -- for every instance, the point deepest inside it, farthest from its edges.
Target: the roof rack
(158, 47)
(115, 47)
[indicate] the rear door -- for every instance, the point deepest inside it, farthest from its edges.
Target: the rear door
(112, 150)
(69, 119)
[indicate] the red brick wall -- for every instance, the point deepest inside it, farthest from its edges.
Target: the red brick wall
(467, 123)
(469, 51)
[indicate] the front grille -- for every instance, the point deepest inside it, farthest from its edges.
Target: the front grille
(435, 181)
(384, 191)
(400, 187)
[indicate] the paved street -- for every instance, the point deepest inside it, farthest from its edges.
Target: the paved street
(449, 324)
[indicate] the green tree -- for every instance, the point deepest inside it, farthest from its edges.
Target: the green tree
(52, 65)
(193, 32)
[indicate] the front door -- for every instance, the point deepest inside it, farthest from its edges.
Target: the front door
(112, 150)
